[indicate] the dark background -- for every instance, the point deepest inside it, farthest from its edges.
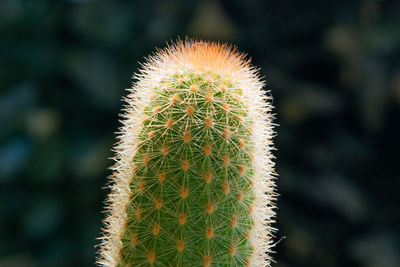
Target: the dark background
(333, 69)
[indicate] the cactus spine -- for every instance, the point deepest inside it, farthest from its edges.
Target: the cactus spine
(193, 183)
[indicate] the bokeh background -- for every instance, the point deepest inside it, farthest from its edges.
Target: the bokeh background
(332, 67)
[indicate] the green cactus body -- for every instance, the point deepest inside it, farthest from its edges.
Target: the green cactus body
(188, 188)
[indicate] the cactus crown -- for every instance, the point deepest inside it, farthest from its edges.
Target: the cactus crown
(193, 180)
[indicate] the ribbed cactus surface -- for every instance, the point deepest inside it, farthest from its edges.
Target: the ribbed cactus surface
(193, 180)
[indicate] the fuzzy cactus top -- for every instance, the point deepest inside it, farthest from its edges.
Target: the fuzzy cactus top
(193, 181)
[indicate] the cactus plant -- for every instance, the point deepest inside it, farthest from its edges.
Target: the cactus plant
(193, 183)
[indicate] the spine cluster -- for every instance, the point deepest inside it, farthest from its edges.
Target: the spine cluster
(193, 181)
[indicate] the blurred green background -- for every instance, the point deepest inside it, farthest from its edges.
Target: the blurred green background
(333, 69)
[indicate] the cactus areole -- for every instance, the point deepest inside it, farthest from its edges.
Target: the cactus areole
(193, 183)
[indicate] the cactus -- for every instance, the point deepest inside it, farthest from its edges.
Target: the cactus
(193, 183)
